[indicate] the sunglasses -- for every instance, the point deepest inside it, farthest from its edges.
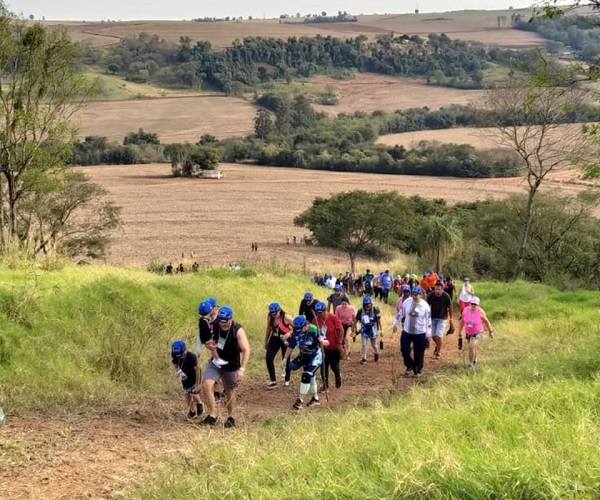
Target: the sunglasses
(473, 304)
(223, 320)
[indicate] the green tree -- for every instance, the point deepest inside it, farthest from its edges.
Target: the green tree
(263, 124)
(440, 236)
(188, 160)
(40, 90)
(356, 222)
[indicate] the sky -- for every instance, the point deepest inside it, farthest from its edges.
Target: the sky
(127, 10)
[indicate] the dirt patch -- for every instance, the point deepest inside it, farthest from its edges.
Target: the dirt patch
(176, 119)
(166, 217)
(105, 455)
(368, 92)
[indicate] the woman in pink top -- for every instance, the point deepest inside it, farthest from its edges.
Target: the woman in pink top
(472, 321)
(346, 312)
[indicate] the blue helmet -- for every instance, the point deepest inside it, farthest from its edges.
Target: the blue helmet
(320, 307)
(178, 348)
(204, 307)
(299, 322)
(225, 314)
(416, 290)
(338, 287)
(212, 301)
(405, 288)
(367, 300)
(274, 308)
(308, 296)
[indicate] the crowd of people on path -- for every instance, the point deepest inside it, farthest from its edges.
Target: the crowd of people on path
(319, 338)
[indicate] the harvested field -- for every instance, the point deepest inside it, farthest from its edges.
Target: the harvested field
(467, 25)
(173, 119)
(166, 217)
(368, 92)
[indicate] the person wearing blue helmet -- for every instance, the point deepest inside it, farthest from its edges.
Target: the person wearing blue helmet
(416, 316)
(310, 342)
(331, 326)
(336, 298)
(231, 345)
(188, 371)
(387, 280)
(279, 325)
(307, 306)
(368, 318)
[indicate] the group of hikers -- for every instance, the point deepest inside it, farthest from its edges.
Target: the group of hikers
(320, 337)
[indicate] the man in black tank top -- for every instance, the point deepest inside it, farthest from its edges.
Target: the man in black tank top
(231, 344)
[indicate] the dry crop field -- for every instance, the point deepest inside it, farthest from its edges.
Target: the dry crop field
(368, 92)
(174, 119)
(218, 219)
(467, 25)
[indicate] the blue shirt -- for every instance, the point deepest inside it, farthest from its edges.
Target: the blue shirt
(386, 281)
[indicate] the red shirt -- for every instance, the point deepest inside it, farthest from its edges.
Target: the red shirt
(332, 323)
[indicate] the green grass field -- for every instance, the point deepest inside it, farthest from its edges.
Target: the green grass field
(524, 425)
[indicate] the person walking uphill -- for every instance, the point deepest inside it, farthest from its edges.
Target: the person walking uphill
(472, 321)
(330, 326)
(188, 371)
(310, 342)
(279, 326)
(307, 307)
(231, 344)
(369, 319)
(441, 311)
(415, 330)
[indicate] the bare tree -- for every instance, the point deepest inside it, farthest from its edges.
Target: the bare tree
(531, 114)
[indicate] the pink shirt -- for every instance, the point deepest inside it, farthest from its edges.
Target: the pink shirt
(346, 314)
(472, 320)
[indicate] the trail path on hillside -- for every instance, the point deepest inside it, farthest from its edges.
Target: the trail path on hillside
(106, 455)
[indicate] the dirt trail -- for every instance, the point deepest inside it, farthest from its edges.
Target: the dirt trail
(106, 455)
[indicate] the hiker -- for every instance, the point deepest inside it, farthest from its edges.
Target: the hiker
(432, 279)
(212, 316)
(368, 282)
(279, 325)
(169, 268)
(310, 342)
(188, 371)
(195, 267)
(472, 321)
(416, 316)
(335, 299)
(346, 312)
(387, 280)
(180, 268)
(369, 319)
(205, 332)
(465, 294)
(377, 286)
(449, 287)
(440, 304)
(330, 326)
(307, 307)
(232, 343)
(404, 294)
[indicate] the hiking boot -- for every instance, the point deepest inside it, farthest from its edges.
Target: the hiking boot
(199, 408)
(363, 361)
(298, 404)
(230, 422)
(271, 385)
(210, 420)
(376, 358)
(313, 402)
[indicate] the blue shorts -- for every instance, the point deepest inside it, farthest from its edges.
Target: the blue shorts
(438, 326)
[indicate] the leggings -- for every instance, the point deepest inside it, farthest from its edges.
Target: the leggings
(332, 360)
(363, 346)
(274, 346)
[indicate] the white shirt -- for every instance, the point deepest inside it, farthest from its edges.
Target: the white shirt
(466, 292)
(417, 317)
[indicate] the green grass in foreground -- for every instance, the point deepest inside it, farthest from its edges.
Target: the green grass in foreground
(525, 425)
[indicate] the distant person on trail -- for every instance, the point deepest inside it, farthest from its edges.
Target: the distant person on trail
(307, 307)
(387, 281)
(404, 294)
(368, 282)
(169, 268)
(279, 329)
(377, 286)
(335, 299)
(310, 342)
(465, 294)
(188, 371)
(330, 326)
(440, 304)
(472, 322)
(232, 343)
(346, 312)
(416, 315)
(449, 287)
(432, 279)
(369, 320)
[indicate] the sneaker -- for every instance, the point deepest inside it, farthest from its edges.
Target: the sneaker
(298, 404)
(313, 402)
(286, 383)
(323, 389)
(210, 420)
(338, 384)
(408, 373)
(199, 408)
(219, 362)
(376, 358)
(191, 414)
(230, 422)
(363, 361)
(436, 354)
(271, 385)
